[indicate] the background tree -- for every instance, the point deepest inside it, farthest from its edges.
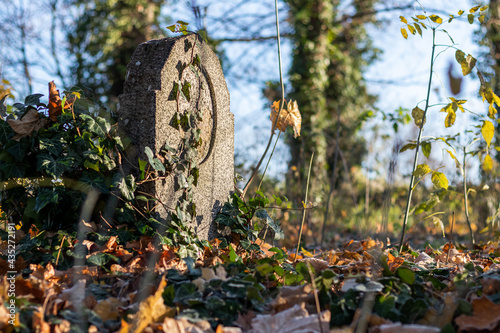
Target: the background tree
(104, 37)
(326, 76)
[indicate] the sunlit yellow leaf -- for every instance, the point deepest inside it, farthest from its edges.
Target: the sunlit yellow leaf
(403, 19)
(421, 17)
(457, 163)
(439, 180)
(450, 119)
(404, 33)
(487, 163)
(412, 29)
(423, 25)
(488, 131)
(484, 8)
(480, 18)
(474, 9)
(436, 19)
(460, 12)
(421, 170)
(417, 114)
(492, 111)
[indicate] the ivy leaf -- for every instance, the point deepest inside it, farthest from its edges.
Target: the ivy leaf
(155, 163)
(264, 217)
(421, 170)
(32, 99)
(439, 180)
(404, 33)
(406, 275)
(52, 166)
(44, 197)
(126, 185)
(488, 131)
(3, 108)
(488, 163)
(418, 115)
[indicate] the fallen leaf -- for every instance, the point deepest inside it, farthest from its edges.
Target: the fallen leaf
(295, 319)
(152, 310)
(107, 309)
(26, 125)
(485, 316)
(288, 117)
(182, 325)
(400, 328)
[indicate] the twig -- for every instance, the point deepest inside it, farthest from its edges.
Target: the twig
(279, 111)
(305, 203)
(415, 160)
(451, 237)
(60, 249)
(316, 298)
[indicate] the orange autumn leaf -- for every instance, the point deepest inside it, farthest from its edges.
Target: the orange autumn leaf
(55, 101)
(289, 116)
(485, 317)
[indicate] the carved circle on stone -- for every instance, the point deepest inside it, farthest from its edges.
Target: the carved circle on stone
(201, 101)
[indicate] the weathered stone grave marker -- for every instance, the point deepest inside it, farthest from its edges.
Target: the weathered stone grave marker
(150, 106)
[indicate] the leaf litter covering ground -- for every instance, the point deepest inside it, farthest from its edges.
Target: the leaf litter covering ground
(363, 286)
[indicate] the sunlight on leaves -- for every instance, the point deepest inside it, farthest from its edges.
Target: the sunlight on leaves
(439, 180)
(288, 117)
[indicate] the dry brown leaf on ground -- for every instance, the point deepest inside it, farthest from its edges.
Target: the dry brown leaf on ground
(152, 310)
(291, 296)
(485, 316)
(293, 320)
(107, 309)
(288, 117)
(434, 318)
(318, 264)
(182, 325)
(26, 125)
(406, 328)
(38, 323)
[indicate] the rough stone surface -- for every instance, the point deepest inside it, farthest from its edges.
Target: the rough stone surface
(145, 114)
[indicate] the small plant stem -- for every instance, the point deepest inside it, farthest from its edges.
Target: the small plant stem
(473, 242)
(332, 183)
(305, 204)
(59, 252)
(316, 298)
(269, 160)
(451, 237)
(279, 111)
(415, 161)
